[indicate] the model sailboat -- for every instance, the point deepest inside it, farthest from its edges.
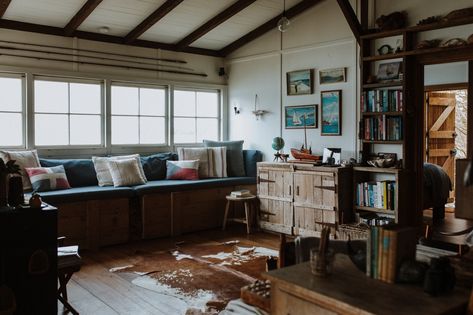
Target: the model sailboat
(305, 152)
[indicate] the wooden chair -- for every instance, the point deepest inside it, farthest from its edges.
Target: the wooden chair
(66, 265)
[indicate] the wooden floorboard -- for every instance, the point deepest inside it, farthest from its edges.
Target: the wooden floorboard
(95, 290)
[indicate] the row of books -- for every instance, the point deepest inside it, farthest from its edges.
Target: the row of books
(374, 219)
(376, 194)
(381, 128)
(382, 101)
(387, 248)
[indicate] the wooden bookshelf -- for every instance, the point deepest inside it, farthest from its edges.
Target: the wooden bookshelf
(381, 113)
(378, 85)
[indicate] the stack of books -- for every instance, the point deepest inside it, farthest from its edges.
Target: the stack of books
(241, 193)
(382, 128)
(379, 195)
(382, 101)
(387, 248)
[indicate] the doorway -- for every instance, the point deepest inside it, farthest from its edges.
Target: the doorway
(446, 127)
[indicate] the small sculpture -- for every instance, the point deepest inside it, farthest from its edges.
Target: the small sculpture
(278, 145)
(432, 43)
(385, 50)
(454, 42)
(393, 21)
(458, 14)
(429, 20)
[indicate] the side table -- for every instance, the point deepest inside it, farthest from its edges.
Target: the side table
(249, 204)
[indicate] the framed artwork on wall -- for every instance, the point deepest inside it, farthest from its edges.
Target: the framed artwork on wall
(331, 112)
(335, 75)
(300, 82)
(301, 116)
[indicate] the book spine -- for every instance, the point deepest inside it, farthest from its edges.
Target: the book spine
(374, 251)
(385, 254)
(392, 257)
(380, 253)
(368, 252)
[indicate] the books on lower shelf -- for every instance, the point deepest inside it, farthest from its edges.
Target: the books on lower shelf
(241, 193)
(374, 219)
(381, 128)
(387, 248)
(382, 101)
(379, 195)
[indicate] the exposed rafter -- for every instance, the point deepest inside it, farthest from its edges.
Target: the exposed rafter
(214, 22)
(266, 27)
(4, 6)
(80, 16)
(152, 19)
(351, 18)
(51, 30)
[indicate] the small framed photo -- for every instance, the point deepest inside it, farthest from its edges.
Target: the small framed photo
(335, 75)
(301, 116)
(331, 112)
(300, 82)
(389, 71)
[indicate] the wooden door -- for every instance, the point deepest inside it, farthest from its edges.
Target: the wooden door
(440, 135)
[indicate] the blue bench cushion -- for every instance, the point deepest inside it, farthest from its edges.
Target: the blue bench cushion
(251, 157)
(155, 165)
(179, 185)
(87, 193)
(79, 172)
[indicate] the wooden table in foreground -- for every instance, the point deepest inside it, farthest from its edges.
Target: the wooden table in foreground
(294, 290)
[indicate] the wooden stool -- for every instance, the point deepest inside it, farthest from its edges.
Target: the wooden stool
(66, 266)
(248, 202)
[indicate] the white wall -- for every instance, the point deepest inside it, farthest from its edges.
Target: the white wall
(446, 73)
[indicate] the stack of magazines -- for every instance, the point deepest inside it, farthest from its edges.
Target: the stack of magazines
(241, 193)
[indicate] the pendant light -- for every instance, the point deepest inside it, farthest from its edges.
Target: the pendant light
(283, 23)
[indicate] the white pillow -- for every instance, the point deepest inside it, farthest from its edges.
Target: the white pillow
(202, 154)
(218, 164)
(101, 168)
(125, 172)
(24, 159)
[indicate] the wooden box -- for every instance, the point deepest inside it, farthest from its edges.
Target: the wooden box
(156, 215)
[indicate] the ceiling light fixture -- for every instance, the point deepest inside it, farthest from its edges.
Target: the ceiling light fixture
(104, 30)
(283, 23)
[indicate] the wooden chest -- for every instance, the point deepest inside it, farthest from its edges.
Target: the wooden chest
(300, 199)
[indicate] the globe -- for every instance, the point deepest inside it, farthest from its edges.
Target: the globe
(278, 143)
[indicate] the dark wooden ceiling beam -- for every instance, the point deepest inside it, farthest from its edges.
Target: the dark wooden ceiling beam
(266, 27)
(351, 18)
(51, 30)
(152, 19)
(214, 22)
(4, 6)
(80, 16)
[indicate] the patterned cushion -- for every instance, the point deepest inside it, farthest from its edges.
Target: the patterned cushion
(235, 163)
(103, 173)
(218, 166)
(155, 165)
(201, 154)
(24, 159)
(48, 178)
(126, 172)
(183, 170)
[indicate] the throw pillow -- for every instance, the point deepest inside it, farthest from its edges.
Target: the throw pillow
(125, 172)
(80, 172)
(235, 163)
(48, 178)
(101, 167)
(154, 165)
(201, 154)
(24, 159)
(183, 170)
(218, 165)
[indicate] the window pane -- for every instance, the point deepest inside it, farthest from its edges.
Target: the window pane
(184, 130)
(89, 135)
(207, 104)
(51, 129)
(207, 128)
(51, 97)
(85, 98)
(152, 130)
(11, 130)
(184, 103)
(152, 101)
(10, 91)
(124, 100)
(125, 130)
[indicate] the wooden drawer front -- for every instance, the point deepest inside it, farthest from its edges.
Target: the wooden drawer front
(304, 188)
(113, 220)
(286, 303)
(315, 189)
(72, 222)
(310, 221)
(275, 215)
(157, 215)
(275, 183)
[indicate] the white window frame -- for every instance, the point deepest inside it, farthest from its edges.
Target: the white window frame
(69, 80)
(23, 112)
(138, 85)
(219, 114)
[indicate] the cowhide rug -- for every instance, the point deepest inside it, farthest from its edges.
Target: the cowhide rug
(200, 277)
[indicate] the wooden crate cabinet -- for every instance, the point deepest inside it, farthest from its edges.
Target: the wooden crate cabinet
(301, 199)
(156, 215)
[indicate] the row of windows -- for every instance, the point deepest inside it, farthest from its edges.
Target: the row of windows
(71, 113)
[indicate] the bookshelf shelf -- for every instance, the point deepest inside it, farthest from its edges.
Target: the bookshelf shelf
(378, 85)
(372, 169)
(386, 57)
(377, 210)
(382, 141)
(381, 113)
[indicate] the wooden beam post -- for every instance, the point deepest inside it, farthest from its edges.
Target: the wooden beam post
(80, 16)
(152, 19)
(364, 15)
(469, 146)
(266, 27)
(214, 22)
(351, 18)
(4, 6)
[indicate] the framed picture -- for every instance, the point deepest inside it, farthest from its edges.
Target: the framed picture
(331, 112)
(303, 116)
(335, 75)
(300, 82)
(389, 71)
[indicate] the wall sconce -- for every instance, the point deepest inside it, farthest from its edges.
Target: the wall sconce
(258, 112)
(237, 110)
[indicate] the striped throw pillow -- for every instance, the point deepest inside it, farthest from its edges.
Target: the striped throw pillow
(48, 178)
(182, 170)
